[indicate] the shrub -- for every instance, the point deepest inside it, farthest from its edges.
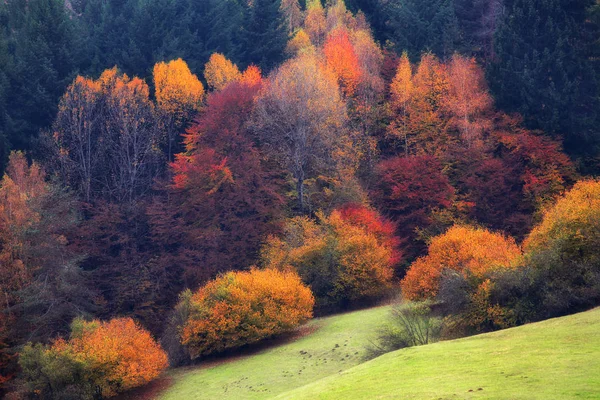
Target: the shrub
(463, 249)
(563, 249)
(498, 299)
(410, 324)
(100, 358)
(241, 308)
(345, 257)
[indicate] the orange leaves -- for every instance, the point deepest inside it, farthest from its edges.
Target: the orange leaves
(401, 87)
(342, 60)
(462, 249)
(22, 190)
(117, 355)
(178, 91)
(219, 71)
(245, 307)
(345, 257)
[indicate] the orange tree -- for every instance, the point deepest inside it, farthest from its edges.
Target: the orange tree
(345, 257)
(100, 357)
(241, 308)
(464, 249)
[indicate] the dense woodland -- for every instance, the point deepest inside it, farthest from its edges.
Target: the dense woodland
(186, 177)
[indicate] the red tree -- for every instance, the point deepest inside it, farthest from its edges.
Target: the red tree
(223, 199)
(409, 189)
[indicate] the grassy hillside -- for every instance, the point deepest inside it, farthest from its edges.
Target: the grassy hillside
(554, 359)
(335, 344)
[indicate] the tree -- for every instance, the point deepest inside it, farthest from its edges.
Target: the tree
(417, 27)
(540, 71)
(264, 34)
(342, 60)
(467, 100)
(345, 258)
(293, 14)
(462, 249)
(315, 23)
(104, 358)
(179, 95)
(562, 248)
(224, 197)
(241, 308)
(44, 51)
(40, 282)
(219, 71)
(410, 190)
(104, 138)
(401, 89)
(301, 118)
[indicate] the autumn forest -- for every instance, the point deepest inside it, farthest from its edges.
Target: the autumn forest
(184, 178)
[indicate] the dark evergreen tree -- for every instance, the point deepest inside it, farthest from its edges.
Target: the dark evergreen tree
(5, 64)
(420, 25)
(44, 51)
(264, 35)
(477, 21)
(218, 25)
(540, 69)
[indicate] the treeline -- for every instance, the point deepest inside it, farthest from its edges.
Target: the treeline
(273, 186)
(540, 57)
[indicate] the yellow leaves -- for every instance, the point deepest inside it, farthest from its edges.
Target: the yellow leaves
(244, 307)
(299, 43)
(572, 224)
(402, 87)
(219, 71)
(178, 91)
(462, 249)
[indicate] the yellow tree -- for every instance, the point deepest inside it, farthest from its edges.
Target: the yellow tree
(299, 43)
(425, 120)
(315, 23)
(219, 71)
(178, 95)
(401, 90)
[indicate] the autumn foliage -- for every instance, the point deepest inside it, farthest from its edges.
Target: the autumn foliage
(111, 357)
(462, 249)
(345, 257)
(219, 71)
(241, 308)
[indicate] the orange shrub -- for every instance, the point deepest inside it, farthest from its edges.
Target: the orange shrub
(345, 257)
(240, 308)
(118, 355)
(462, 249)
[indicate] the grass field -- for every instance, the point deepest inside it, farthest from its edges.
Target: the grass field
(336, 344)
(554, 359)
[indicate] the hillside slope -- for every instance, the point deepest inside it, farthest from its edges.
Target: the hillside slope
(553, 359)
(334, 344)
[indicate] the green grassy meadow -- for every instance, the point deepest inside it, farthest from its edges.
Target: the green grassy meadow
(554, 359)
(336, 344)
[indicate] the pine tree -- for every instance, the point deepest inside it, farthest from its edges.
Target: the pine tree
(264, 34)
(418, 26)
(540, 70)
(43, 47)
